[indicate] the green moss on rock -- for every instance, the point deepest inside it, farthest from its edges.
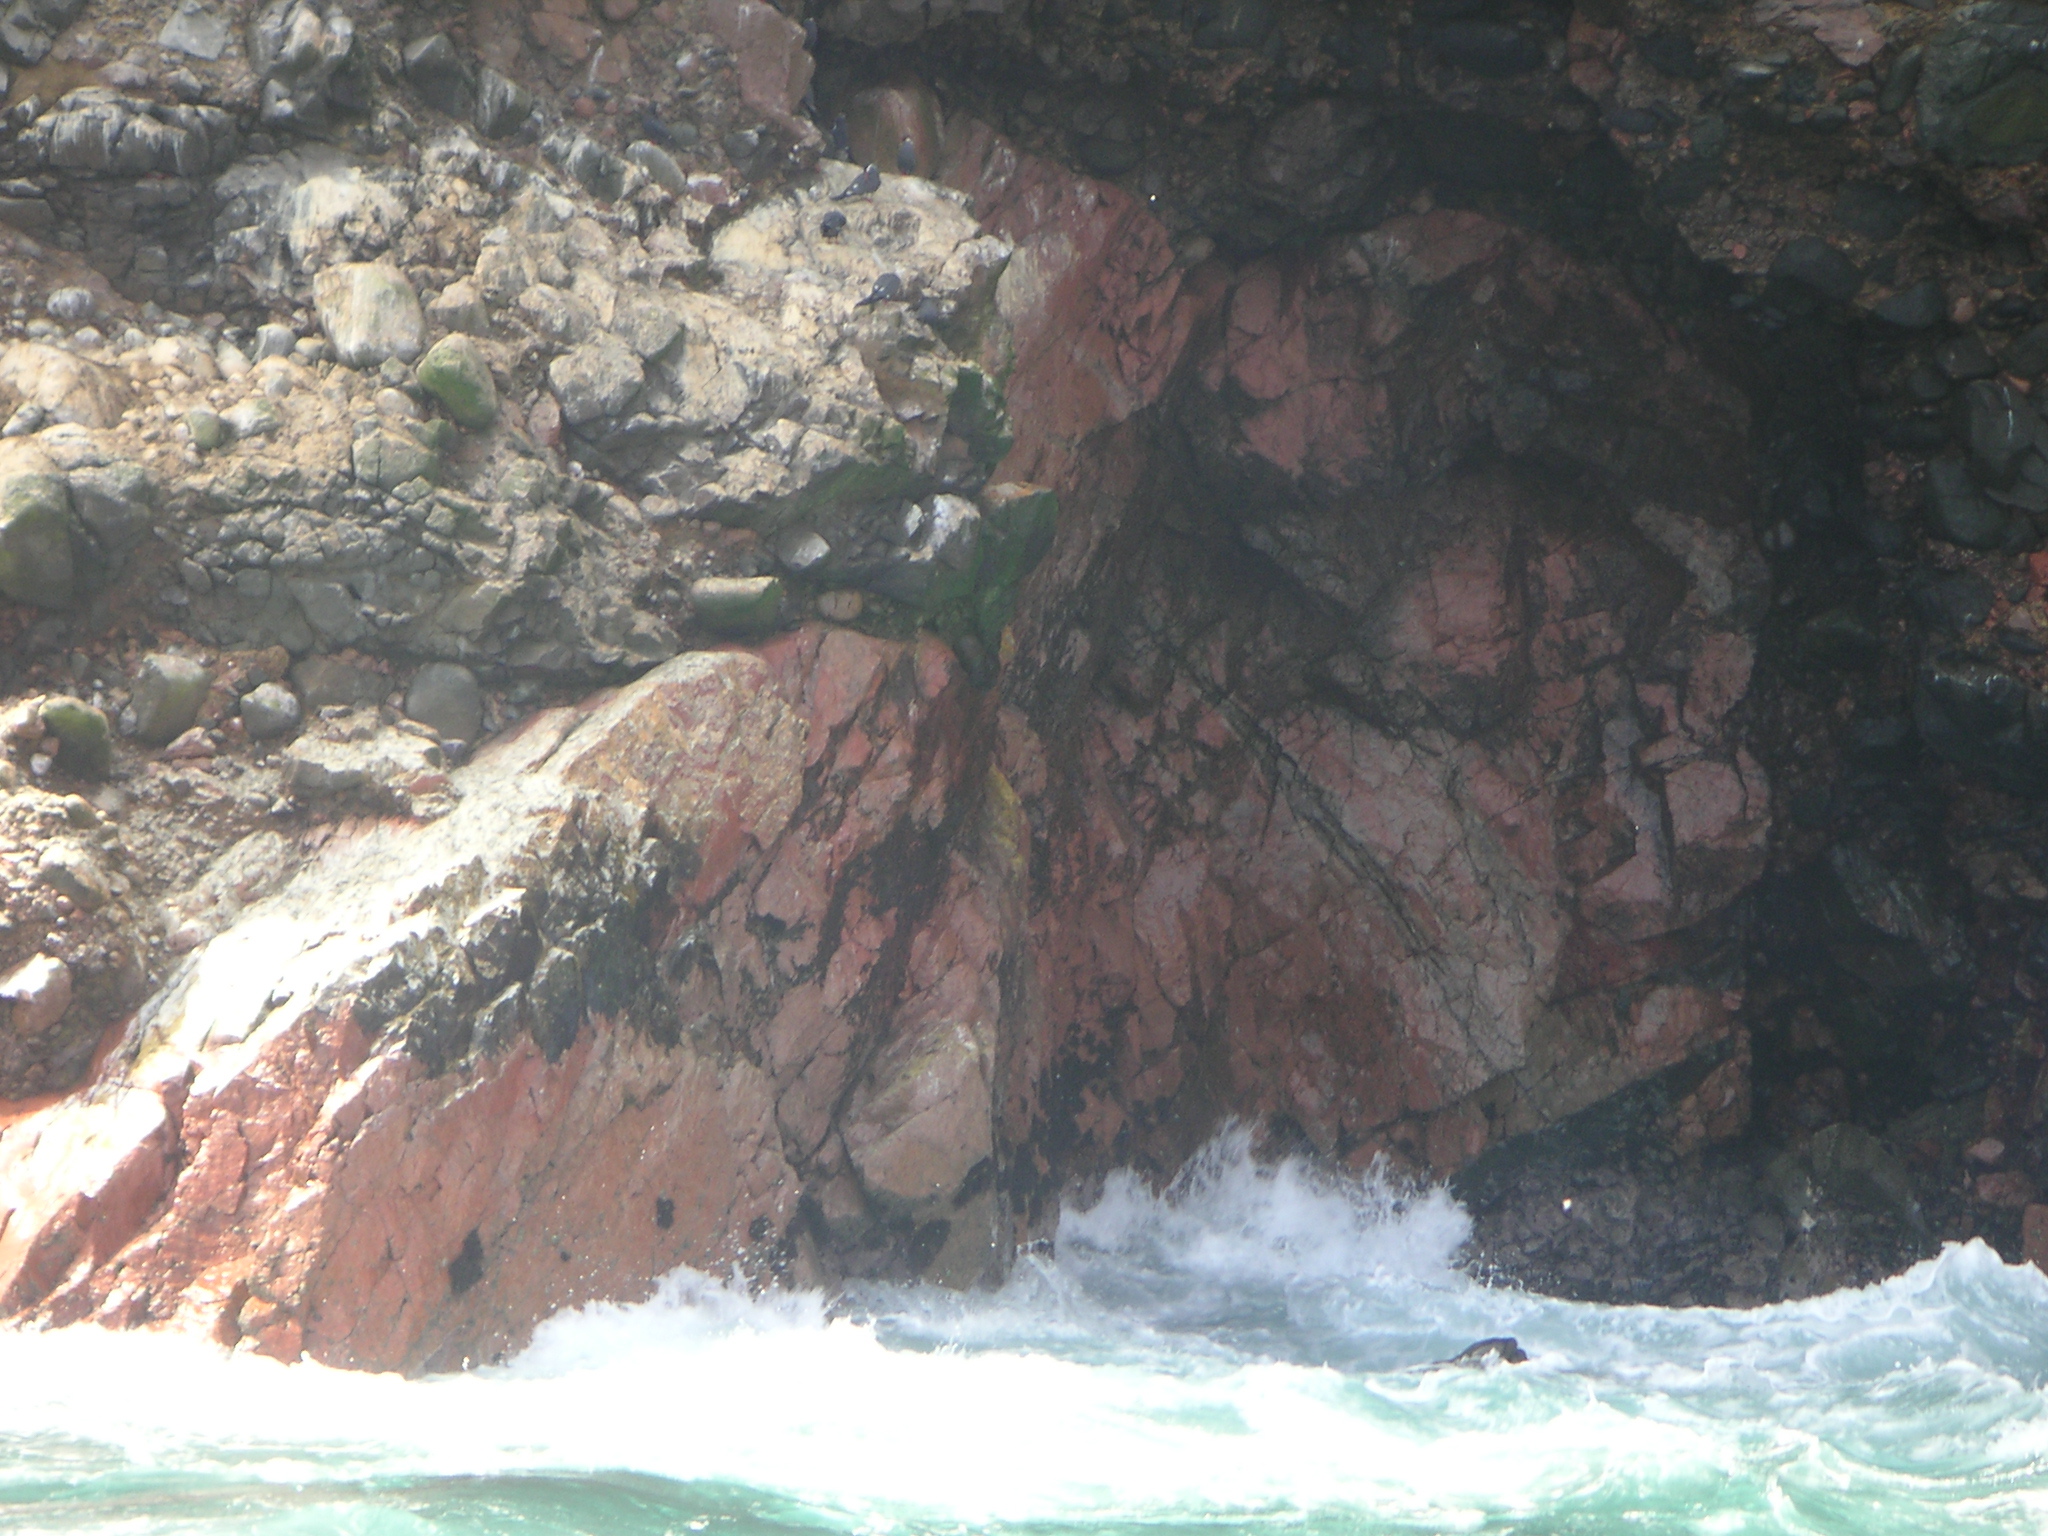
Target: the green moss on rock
(455, 372)
(85, 744)
(37, 533)
(386, 459)
(1018, 523)
(977, 415)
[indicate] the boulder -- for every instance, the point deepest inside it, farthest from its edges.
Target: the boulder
(941, 565)
(1916, 308)
(501, 106)
(437, 72)
(194, 29)
(768, 50)
(661, 166)
(446, 696)
(1959, 511)
(169, 691)
(595, 380)
(456, 373)
(67, 387)
(2003, 427)
(114, 502)
(324, 681)
(251, 419)
(35, 994)
(101, 132)
(270, 710)
(1983, 93)
(459, 307)
(370, 313)
(69, 869)
(736, 605)
(38, 537)
(85, 743)
(1809, 262)
(207, 430)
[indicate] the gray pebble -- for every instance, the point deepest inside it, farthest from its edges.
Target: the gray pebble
(446, 697)
(274, 340)
(270, 710)
(71, 305)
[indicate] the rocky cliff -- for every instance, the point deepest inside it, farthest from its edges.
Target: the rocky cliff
(640, 635)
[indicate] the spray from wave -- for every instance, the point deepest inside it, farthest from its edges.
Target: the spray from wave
(1232, 1218)
(1250, 1346)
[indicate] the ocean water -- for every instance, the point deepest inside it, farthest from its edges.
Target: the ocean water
(1249, 1352)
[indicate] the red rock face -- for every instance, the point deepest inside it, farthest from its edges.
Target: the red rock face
(801, 1002)
(768, 50)
(1376, 724)
(1370, 764)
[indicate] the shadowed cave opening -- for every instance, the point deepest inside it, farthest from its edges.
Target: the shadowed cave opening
(1255, 575)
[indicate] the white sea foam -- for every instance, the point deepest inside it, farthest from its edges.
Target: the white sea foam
(1249, 1345)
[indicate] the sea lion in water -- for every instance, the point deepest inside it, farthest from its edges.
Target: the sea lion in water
(1505, 1351)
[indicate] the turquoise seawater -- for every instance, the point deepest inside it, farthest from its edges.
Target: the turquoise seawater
(1249, 1352)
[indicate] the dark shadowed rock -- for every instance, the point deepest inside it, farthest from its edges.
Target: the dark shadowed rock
(1983, 93)
(1501, 1351)
(1915, 308)
(1956, 604)
(1487, 48)
(446, 696)
(1959, 511)
(1811, 263)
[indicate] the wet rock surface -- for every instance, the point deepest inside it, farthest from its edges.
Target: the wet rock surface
(1464, 587)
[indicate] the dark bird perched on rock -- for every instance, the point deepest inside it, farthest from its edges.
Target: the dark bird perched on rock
(833, 225)
(906, 156)
(839, 145)
(888, 286)
(867, 182)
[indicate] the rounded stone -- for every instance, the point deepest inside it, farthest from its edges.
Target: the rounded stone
(37, 992)
(369, 313)
(1913, 309)
(456, 373)
(446, 696)
(169, 691)
(1810, 262)
(71, 305)
(274, 340)
(36, 533)
(661, 167)
(254, 417)
(737, 605)
(1960, 512)
(85, 742)
(270, 710)
(207, 429)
